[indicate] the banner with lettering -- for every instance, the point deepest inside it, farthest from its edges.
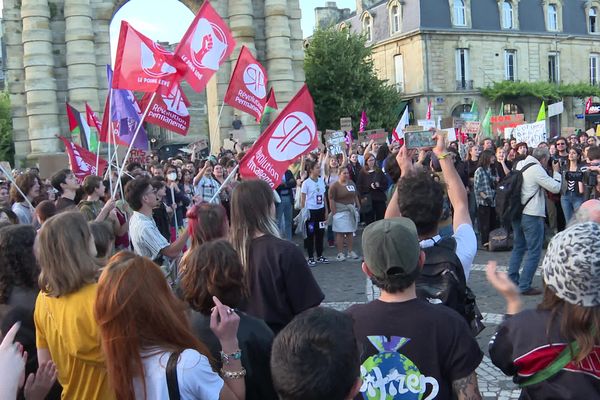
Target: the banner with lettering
(169, 109)
(291, 135)
(247, 90)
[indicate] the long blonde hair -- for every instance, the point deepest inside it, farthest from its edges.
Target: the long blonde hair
(251, 204)
(64, 254)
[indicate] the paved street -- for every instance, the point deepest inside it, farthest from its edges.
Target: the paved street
(344, 284)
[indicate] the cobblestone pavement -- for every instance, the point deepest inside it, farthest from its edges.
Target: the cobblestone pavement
(344, 284)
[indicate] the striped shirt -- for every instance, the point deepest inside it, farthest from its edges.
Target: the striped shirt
(146, 238)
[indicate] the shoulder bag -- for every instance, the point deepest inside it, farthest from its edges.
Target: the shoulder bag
(171, 372)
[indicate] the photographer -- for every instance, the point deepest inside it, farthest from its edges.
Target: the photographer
(588, 175)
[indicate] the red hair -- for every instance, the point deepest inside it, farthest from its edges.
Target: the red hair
(206, 222)
(135, 310)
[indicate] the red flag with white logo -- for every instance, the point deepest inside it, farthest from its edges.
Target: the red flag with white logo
(588, 105)
(205, 46)
(247, 89)
(82, 161)
(142, 64)
(92, 118)
(428, 115)
(291, 135)
(169, 109)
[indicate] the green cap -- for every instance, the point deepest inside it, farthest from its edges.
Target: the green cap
(391, 247)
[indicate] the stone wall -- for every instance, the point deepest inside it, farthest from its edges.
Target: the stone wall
(57, 50)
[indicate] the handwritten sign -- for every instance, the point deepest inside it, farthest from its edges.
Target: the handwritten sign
(336, 144)
(346, 124)
(376, 135)
(472, 127)
(137, 155)
(532, 134)
(501, 122)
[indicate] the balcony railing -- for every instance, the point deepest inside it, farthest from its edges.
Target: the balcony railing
(464, 85)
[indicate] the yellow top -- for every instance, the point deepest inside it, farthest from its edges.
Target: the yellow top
(66, 327)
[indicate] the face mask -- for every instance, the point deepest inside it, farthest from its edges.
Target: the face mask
(172, 176)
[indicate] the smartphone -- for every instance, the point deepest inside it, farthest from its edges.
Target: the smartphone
(419, 139)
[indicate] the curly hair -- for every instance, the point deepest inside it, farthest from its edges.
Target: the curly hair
(212, 269)
(18, 266)
(421, 198)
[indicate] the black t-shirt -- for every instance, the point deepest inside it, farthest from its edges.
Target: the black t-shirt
(412, 347)
(521, 347)
(64, 204)
(281, 283)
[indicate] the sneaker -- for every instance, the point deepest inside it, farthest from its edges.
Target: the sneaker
(323, 260)
(353, 255)
(311, 262)
(340, 257)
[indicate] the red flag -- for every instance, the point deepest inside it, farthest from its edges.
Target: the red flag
(92, 118)
(428, 116)
(169, 109)
(82, 161)
(205, 46)
(292, 134)
(588, 105)
(107, 125)
(141, 64)
(364, 121)
(247, 90)
(271, 100)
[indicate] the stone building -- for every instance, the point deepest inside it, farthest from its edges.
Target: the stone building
(444, 50)
(56, 51)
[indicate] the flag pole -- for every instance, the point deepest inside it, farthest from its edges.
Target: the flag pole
(98, 155)
(110, 134)
(12, 180)
(137, 130)
(174, 211)
(225, 182)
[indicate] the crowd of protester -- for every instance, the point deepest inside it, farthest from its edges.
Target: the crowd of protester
(190, 285)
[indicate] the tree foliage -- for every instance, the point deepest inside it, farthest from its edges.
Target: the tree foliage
(342, 81)
(506, 90)
(7, 148)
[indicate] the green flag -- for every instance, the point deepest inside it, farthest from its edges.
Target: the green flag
(542, 113)
(474, 109)
(501, 109)
(486, 125)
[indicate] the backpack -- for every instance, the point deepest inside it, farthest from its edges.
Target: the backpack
(508, 196)
(442, 281)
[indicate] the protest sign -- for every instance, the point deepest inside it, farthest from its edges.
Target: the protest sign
(501, 122)
(532, 134)
(49, 164)
(555, 109)
(468, 116)
(426, 124)
(346, 124)
(336, 142)
(451, 134)
(472, 127)
(137, 155)
(376, 135)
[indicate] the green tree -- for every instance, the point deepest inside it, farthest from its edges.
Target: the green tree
(7, 147)
(342, 81)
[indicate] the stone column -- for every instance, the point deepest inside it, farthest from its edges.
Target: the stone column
(279, 52)
(82, 80)
(215, 91)
(15, 76)
(296, 43)
(40, 85)
(241, 23)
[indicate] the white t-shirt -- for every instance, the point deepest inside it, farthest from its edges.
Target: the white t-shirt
(196, 379)
(466, 246)
(315, 193)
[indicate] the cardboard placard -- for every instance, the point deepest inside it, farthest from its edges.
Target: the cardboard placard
(137, 155)
(376, 135)
(346, 124)
(472, 127)
(413, 128)
(501, 122)
(336, 142)
(532, 134)
(426, 124)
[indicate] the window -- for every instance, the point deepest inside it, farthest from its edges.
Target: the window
(399, 72)
(462, 69)
(507, 15)
(395, 19)
(553, 68)
(592, 14)
(367, 26)
(460, 17)
(594, 69)
(510, 65)
(511, 109)
(552, 17)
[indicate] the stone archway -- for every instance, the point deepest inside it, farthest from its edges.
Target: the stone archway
(56, 51)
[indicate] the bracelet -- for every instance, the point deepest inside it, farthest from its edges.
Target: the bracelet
(226, 358)
(444, 155)
(233, 374)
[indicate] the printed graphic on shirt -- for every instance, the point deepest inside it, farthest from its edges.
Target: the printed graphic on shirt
(319, 199)
(391, 375)
(350, 188)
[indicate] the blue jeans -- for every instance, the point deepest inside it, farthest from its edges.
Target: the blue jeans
(570, 202)
(283, 211)
(528, 237)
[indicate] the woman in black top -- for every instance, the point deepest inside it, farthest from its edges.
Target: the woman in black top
(501, 166)
(571, 190)
(372, 185)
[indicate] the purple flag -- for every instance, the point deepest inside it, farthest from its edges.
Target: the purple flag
(126, 112)
(364, 121)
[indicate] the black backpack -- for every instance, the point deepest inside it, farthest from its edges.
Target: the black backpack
(508, 197)
(442, 281)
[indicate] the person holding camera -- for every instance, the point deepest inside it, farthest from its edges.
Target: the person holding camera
(571, 189)
(484, 188)
(590, 174)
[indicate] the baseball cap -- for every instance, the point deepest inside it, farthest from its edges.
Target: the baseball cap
(571, 267)
(391, 247)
